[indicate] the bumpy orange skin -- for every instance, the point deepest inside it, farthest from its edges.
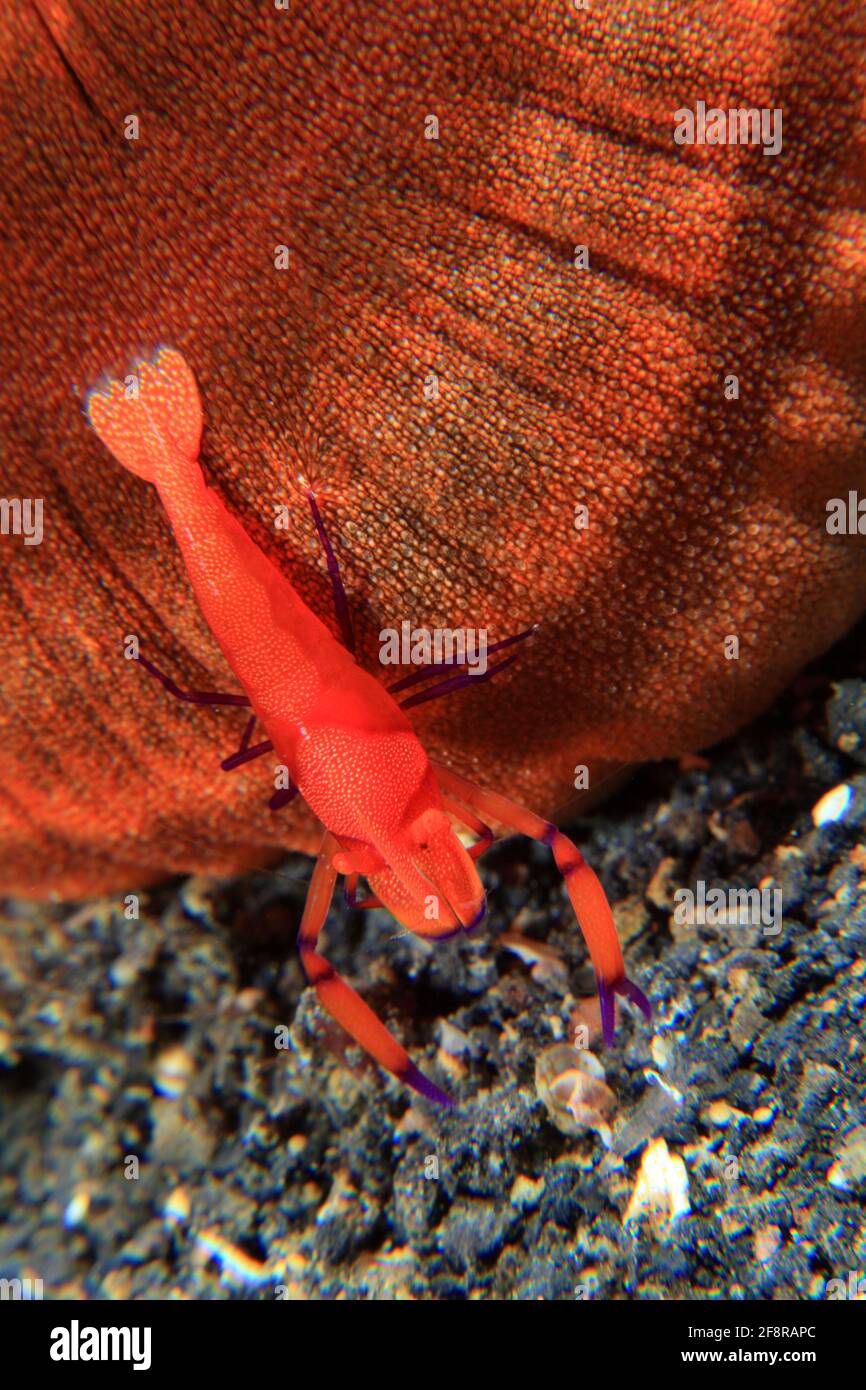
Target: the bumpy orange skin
(410, 256)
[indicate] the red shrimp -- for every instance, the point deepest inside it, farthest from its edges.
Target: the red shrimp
(388, 813)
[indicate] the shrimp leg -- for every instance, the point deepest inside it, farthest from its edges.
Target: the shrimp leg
(459, 681)
(341, 602)
(340, 1000)
(454, 683)
(282, 798)
(193, 697)
(245, 753)
(242, 755)
(586, 893)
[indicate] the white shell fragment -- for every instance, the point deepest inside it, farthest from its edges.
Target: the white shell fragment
(849, 1170)
(833, 805)
(235, 1264)
(662, 1188)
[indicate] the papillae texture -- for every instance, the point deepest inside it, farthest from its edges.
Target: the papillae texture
(427, 348)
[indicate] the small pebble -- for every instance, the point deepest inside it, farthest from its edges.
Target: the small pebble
(173, 1071)
(766, 1242)
(177, 1207)
(526, 1193)
(77, 1209)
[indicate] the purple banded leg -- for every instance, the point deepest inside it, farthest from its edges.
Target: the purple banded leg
(584, 890)
(341, 602)
(607, 1000)
(193, 697)
(607, 1008)
(340, 1000)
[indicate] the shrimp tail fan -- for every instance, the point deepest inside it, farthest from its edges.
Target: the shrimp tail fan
(152, 420)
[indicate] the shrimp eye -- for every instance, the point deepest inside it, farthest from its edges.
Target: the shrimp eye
(428, 825)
